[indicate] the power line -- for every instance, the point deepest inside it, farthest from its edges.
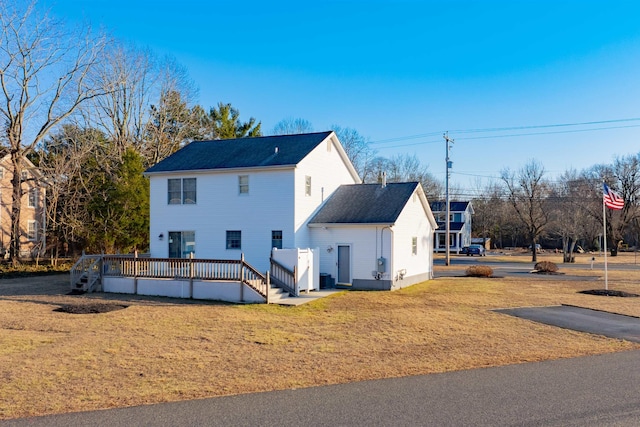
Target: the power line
(549, 133)
(504, 129)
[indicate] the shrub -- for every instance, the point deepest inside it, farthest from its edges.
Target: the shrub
(479, 271)
(545, 267)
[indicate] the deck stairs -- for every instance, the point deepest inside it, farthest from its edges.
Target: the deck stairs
(85, 274)
(279, 296)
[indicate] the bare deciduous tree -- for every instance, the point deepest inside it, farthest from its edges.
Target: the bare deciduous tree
(527, 191)
(291, 126)
(46, 74)
(357, 148)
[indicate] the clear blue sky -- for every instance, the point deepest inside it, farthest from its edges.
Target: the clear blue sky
(397, 69)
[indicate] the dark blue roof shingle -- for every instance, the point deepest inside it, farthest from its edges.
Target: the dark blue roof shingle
(440, 206)
(365, 204)
(281, 150)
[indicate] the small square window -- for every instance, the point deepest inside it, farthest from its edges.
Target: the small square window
(234, 239)
(243, 184)
(307, 185)
(414, 245)
(276, 239)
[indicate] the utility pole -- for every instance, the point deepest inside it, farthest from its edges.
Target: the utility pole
(448, 143)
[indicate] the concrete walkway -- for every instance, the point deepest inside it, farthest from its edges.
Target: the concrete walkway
(306, 297)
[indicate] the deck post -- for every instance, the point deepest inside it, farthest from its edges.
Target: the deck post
(242, 277)
(135, 272)
(268, 285)
(190, 274)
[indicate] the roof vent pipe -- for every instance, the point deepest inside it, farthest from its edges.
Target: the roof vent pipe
(276, 150)
(384, 179)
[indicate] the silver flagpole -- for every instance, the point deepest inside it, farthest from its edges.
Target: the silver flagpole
(604, 233)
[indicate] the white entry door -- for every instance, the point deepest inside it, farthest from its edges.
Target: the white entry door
(344, 264)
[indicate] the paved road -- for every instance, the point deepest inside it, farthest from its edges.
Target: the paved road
(458, 264)
(582, 319)
(589, 391)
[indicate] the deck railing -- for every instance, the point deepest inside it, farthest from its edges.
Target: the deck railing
(87, 266)
(284, 278)
(185, 269)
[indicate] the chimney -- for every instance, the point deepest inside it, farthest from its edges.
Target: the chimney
(384, 179)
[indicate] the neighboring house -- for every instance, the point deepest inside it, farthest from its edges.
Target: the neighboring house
(32, 211)
(221, 199)
(459, 225)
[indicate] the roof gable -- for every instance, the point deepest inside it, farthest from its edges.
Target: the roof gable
(365, 204)
(266, 151)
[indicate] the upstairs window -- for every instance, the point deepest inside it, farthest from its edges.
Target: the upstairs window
(181, 191)
(243, 184)
(189, 191)
(33, 198)
(307, 185)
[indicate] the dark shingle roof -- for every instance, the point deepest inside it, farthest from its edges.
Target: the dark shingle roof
(453, 226)
(365, 204)
(241, 153)
(440, 206)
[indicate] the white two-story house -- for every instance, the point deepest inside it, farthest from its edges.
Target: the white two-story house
(221, 199)
(459, 225)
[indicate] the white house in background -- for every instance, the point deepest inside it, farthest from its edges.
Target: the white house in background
(459, 225)
(221, 199)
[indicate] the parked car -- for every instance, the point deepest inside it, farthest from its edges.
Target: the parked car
(474, 250)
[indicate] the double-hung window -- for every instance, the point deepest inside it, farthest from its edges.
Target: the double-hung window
(32, 230)
(234, 239)
(33, 198)
(243, 184)
(181, 191)
(307, 185)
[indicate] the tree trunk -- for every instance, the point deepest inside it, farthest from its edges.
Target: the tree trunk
(16, 205)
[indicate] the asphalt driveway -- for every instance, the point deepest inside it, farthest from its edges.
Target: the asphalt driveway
(582, 319)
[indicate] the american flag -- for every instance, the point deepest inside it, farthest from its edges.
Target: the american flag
(611, 199)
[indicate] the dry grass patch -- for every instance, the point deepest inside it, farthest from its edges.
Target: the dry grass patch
(164, 350)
